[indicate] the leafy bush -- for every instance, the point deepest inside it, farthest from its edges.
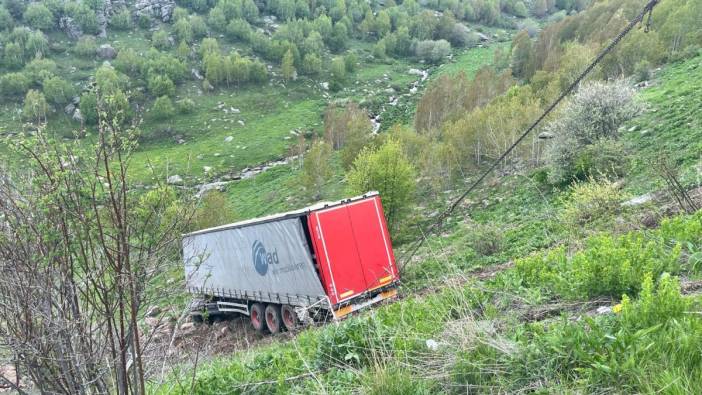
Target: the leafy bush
(163, 108)
(605, 158)
(485, 239)
(595, 113)
(14, 84)
(608, 266)
(591, 202)
(86, 46)
(432, 51)
(185, 106)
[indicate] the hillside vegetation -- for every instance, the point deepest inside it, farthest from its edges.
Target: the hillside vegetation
(574, 268)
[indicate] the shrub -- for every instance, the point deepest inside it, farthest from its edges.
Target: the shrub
(595, 113)
(163, 108)
(160, 39)
(608, 266)
(58, 90)
(14, 84)
(590, 202)
(161, 85)
(603, 159)
(485, 239)
(432, 51)
(88, 108)
(38, 16)
(122, 19)
(86, 46)
(186, 106)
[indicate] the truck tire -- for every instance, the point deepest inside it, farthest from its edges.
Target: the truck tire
(257, 317)
(289, 317)
(273, 319)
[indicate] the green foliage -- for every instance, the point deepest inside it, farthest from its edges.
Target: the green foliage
(288, 66)
(121, 19)
(591, 202)
(433, 51)
(388, 171)
(86, 47)
(608, 266)
(485, 239)
(88, 108)
(57, 90)
(160, 85)
(163, 108)
(14, 84)
(35, 106)
(160, 40)
(214, 210)
(595, 113)
(311, 64)
(38, 16)
(316, 169)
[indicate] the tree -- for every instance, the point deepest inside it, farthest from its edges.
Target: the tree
(338, 70)
(57, 90)
(38, 16)
(258, 72)
(6, 20)
(539, 8)
(14, 84)
(37, 44)
(88, 108)
(522, 56)
(13, 56)
(182, 52)
(594, 114)
(183, 30)
(388, 171)
(311, 64)
(239, 29)
(35, 106)
(288, 66)
(163, 108)
(78, 252)
(433, 51)
(347, 129)
(316, 168)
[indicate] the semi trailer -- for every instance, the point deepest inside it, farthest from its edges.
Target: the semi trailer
(327, 260)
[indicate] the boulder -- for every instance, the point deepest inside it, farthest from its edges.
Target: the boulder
(228, 139)
(175, 180)
(106, 51)
(77, 115)
(70, 27)
(196, 74)
(69, 109)
(546, 136)
(161, 9)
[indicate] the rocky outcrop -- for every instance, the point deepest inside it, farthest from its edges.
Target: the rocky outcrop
(70, 27)
(161, 9)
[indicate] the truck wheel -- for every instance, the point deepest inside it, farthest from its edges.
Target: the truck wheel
(289, 317)
(273, 318)
(257, 317)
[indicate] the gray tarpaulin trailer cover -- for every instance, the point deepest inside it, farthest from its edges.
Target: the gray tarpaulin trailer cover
(267, 260)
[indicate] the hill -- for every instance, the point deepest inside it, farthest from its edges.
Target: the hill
(574, 268)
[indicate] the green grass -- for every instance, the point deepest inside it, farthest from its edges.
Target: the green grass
(671, 126)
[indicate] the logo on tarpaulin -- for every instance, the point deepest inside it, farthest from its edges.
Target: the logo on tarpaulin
(262, 258)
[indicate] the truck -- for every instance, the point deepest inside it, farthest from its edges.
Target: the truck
(295, 268)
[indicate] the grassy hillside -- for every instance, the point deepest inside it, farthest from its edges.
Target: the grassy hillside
(512, 297)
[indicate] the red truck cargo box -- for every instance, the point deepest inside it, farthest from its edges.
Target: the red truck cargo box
(352, 245)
